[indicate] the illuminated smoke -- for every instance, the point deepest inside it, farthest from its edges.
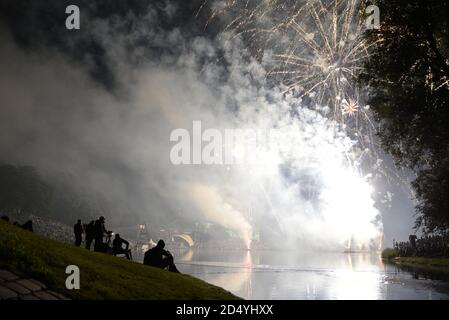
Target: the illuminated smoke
(310, 187)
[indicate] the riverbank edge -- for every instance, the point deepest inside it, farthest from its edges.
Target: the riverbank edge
(434, 264)
(103, 277)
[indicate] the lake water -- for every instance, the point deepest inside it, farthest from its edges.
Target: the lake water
(288, 275)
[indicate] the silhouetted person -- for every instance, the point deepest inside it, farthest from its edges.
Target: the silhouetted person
(117, 247)
(28, 225)
(5, 218)
(108, 244)
(78, 231)
(90, 234)
(100, 231)
(160, 258)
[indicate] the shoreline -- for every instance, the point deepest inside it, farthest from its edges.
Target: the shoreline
(103, 277)
(425, 264)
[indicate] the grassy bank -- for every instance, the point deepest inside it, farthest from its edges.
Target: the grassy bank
(430, 264)
(102, 276)
(424, 263)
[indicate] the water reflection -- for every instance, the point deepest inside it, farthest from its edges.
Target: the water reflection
(293, 275)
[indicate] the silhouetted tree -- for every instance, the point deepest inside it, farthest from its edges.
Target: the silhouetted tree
(431, 188)
(407, 78)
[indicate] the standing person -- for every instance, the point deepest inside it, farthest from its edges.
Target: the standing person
(78, 230)
(100, 231)
(90, 233)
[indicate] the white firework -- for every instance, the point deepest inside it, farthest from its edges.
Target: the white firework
(317, 46)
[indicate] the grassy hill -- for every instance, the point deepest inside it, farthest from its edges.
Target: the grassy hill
(101, 276)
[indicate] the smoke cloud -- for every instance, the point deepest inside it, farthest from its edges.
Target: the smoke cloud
(115, 140)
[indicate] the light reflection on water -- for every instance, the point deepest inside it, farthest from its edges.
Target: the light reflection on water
(290, 275)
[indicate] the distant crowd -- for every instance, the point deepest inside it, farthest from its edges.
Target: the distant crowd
(428, 246)
(95, 232)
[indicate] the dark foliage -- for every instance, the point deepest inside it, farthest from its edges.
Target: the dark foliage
(407, 77)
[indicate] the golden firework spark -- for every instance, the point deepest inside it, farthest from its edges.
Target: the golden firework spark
(349, 107)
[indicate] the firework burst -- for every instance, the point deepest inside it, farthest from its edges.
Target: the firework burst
(314, 49)
(316, 46)
(350, 107)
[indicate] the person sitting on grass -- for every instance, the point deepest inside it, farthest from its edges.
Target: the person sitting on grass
(117, 247)
(28, 225)
(160, 258)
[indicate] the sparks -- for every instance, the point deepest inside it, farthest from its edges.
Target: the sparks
(314, 49)
(349, 107)
(317, 46)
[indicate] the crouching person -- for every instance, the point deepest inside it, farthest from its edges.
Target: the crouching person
(117, 247)
(160, 258)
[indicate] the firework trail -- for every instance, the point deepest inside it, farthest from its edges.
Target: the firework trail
(317, 47)
(314, 49)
